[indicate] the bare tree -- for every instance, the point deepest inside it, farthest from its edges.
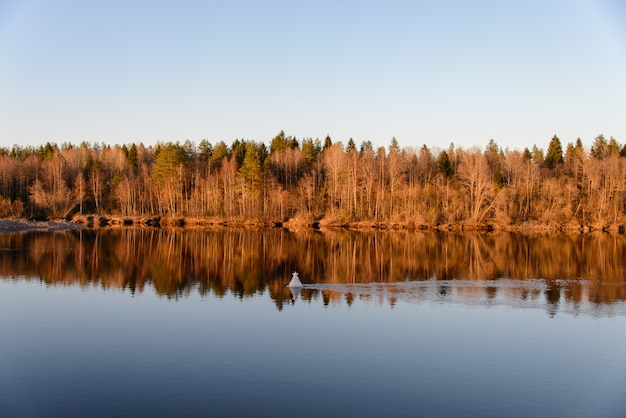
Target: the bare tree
(475, 176)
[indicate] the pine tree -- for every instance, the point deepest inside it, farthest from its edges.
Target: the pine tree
(351, 145)
(279, 142)
(600, 148)
(219, 152)
(444, 164)
(394, 146)
(327, 142)
(554, 156)
(205, 150)
(132, 157)
(251, 168)
(537, 154)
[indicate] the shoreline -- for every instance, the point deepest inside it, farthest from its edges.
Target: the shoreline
(295, 224)
(95, 222)
(25, 225)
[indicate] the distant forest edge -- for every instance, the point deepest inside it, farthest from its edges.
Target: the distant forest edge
(311, 182)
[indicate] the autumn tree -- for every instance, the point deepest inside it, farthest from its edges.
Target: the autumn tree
(50, 192)
(367, 178)
(335, 166)
(476, 178)
(395, 174)
(284, 159)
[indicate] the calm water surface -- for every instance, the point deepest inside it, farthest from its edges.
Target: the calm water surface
(199, 323)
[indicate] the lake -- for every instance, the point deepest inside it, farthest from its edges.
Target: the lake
(129, 322)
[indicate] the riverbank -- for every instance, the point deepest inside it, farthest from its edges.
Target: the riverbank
(19, 225)
(93, 221)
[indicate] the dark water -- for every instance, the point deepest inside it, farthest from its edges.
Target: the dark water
(199, 323)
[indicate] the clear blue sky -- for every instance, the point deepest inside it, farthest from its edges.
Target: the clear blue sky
(431, 72)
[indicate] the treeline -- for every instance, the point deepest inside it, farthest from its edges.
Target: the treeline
(311, 180)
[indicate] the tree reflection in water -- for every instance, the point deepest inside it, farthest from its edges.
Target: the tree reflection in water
(339, 266)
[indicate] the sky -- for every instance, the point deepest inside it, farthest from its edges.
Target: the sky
(425, 72)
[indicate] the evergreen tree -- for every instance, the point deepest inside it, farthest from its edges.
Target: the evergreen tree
(537, 155)
(579, 143)
(327, 142)
(570, 154)
(278, 143)
(554, 156)
(238, 150)
(190, 149)
(251, 168)
(318, 146)
(205, 150)
(168, 158)
(46, 152)
(219, 152)
(394, 146)
(351, 146)
(494, 157)
(492, 148)
(444, 164)
(132, 157)
(600, 148)
(613, 146)
(263, 152)
(308, 154)
(366, 146)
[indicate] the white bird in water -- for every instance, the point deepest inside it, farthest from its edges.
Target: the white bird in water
(295, 280)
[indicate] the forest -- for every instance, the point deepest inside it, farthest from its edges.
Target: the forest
(312, 182)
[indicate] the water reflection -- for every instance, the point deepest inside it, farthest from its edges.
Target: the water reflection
(554, 272)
